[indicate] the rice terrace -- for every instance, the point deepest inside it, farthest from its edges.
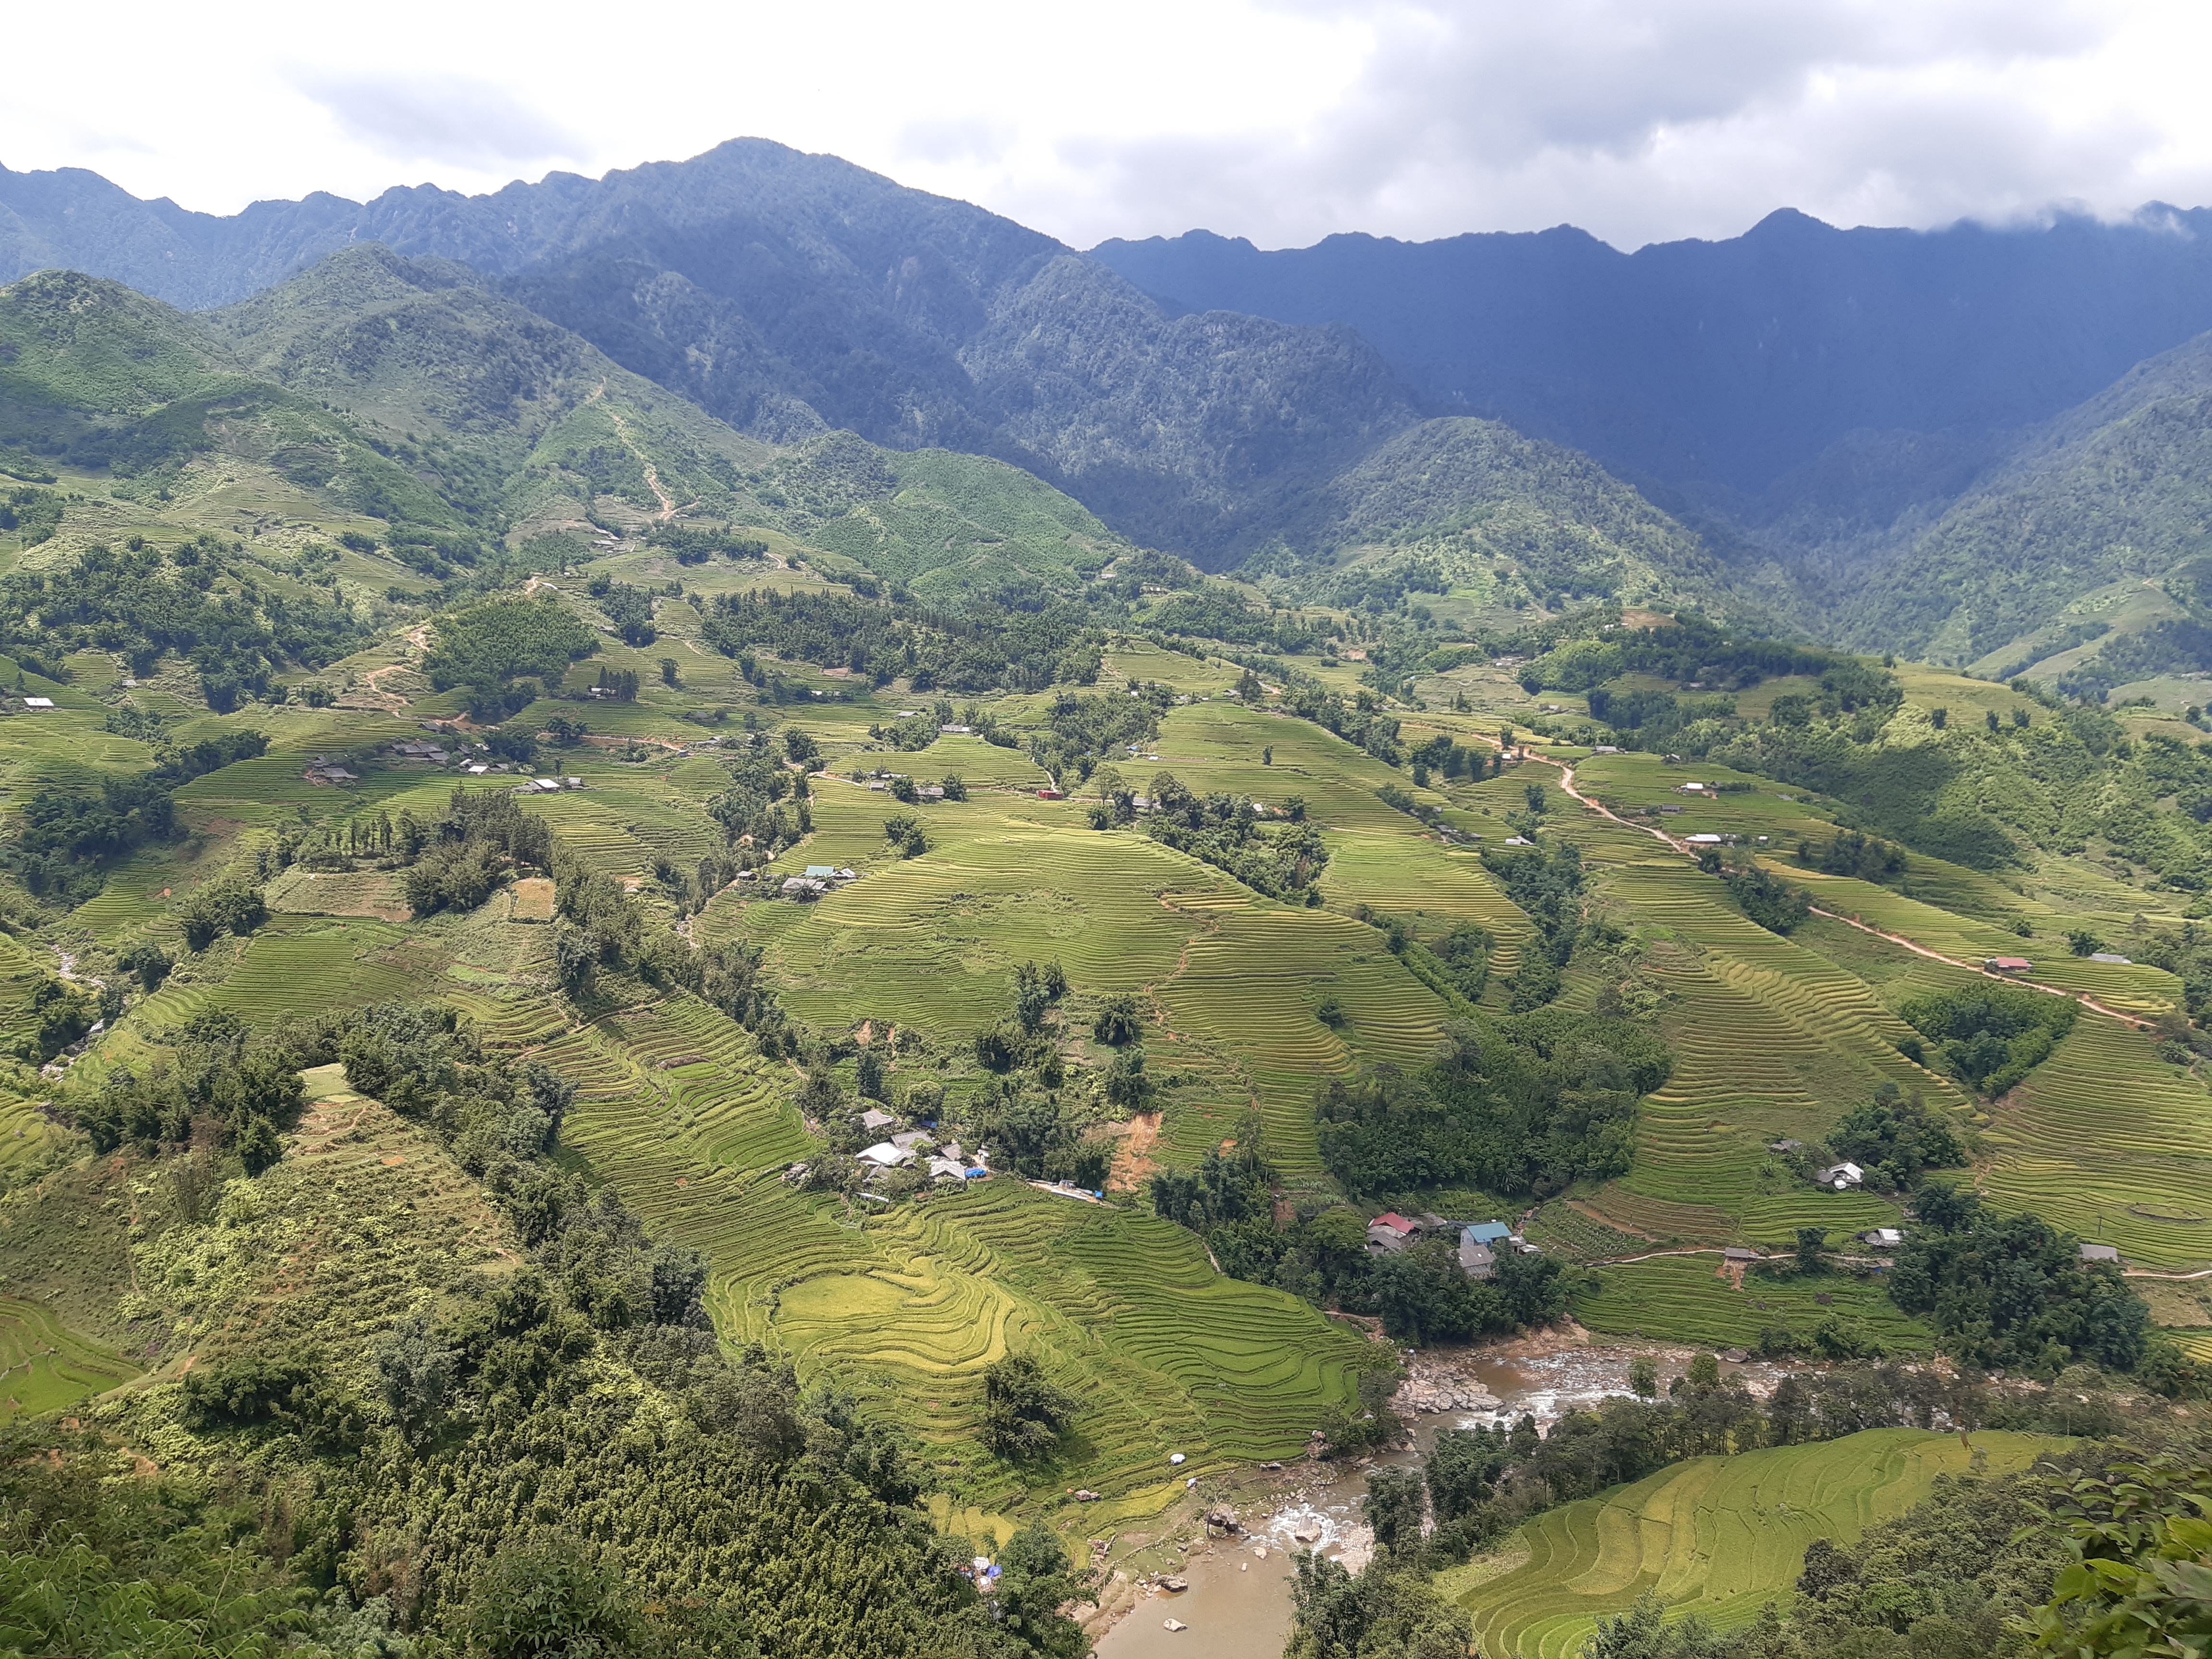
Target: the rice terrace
(635, 1020)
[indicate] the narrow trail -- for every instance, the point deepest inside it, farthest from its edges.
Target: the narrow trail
(669, 509)
(1567, 786)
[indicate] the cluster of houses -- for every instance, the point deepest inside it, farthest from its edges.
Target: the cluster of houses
(818, 879)
(881, 780)
(1888, 1238)
(944, 1161)
(324, 770)
(1479, 1242)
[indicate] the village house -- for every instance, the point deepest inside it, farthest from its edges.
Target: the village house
(1389, 1233)
(2100, 1253)
(1840, 1176)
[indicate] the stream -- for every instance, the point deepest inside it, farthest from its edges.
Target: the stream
(1238, 1605)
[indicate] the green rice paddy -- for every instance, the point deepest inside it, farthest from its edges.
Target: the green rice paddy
(45, 1367)
(1717, 1536)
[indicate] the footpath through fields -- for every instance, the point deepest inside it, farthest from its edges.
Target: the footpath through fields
(1567, 786)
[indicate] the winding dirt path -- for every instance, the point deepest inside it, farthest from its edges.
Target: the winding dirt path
(669, 509)
(1567, 786)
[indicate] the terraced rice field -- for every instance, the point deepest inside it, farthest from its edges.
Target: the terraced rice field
(1770, 1040)
(45, 1365)
(911, 1306)
(1720, 1537)
(933, 942)
(2132, 987)
(1684, 1298)
(2105, 1140)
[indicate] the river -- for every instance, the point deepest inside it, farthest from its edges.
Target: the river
(1238, 1605)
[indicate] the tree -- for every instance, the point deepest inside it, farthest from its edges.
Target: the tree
(416, 1371)
(668, 676)
(2083, 942)
(1023, 1412)
(258, 1145)
(1036, 1580)
(1393, 1507)
(1118, 1020)
(1644, 1377)
(1812, 1246)
(1462, 1469)
(871, 1079)
(2137, 1587)
(905, 833)
(1125, 1084)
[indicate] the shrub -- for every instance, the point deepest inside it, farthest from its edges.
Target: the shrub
(1774, 905)
(904, 831)
(232, 904)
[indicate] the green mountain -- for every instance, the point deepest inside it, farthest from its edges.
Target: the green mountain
(1467, 495)
(2112, 492)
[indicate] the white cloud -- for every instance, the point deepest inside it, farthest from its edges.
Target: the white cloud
(1280, 120)
(450, 118)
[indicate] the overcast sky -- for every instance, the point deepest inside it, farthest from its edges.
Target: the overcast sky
(1281, 120)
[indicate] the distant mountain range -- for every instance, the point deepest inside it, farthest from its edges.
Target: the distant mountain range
(1947, 442)
(1722, 367)
(789, 293)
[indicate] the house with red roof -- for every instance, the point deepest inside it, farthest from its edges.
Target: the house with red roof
(1389, 1233)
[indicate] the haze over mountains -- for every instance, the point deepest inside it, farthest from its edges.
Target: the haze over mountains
(1934, 442)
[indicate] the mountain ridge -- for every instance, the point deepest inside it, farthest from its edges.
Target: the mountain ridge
(1564, 338)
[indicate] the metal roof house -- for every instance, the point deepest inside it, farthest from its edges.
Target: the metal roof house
(1840, 1176)
(1389, 1233)
(2100, 1253)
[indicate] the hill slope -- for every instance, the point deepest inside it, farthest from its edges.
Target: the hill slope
(2112, 491)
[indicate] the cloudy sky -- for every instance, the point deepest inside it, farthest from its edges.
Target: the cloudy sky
(1281, 120)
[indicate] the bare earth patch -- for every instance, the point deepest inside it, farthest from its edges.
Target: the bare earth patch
(1133, 1158)
(533, 900)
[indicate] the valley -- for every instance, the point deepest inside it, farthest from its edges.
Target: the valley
(725, 1012)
